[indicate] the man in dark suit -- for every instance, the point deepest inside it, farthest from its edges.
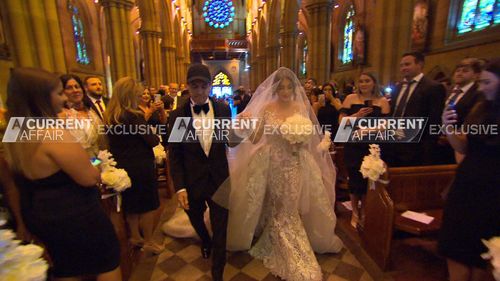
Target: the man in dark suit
(464, 95)
(416, 96)
(198, 168)
(241, 99)
(95, 95)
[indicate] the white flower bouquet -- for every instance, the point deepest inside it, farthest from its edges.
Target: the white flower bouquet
(297, 129)
(20, 262)
(326, 142)
(114, 178)
(493, 254)
(160, 154)
(373, 166)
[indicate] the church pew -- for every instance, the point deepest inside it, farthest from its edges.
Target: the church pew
(410, 188)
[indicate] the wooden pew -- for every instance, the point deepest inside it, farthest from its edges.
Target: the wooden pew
(410, 188)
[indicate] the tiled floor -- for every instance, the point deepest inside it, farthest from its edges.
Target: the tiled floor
(181, 261)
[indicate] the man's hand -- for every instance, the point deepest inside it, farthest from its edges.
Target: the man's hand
(182, 197)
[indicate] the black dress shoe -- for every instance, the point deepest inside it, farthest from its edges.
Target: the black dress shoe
(205, 251)
(217, 275)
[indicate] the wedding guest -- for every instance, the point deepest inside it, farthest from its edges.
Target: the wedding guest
(59, 198)
(95, 95)
(241, 99)
(367, 101)
(472, 207)
(328, 108)
(417, 96)
(79, 107)
(133, 152)
(309, 85)
(153, 110)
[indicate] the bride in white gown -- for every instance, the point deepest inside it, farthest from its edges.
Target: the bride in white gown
(282, 184)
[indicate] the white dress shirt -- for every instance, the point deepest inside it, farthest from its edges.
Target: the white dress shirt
(464, 90)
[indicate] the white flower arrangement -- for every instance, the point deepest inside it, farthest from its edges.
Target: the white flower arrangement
(112, 177)
(20, 262)
(326, 142)
(160, 154)
(297, 129)
(373, 166)
(493, 254)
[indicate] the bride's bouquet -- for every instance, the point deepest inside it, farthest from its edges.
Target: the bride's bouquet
(20, 262)
(114, 178)
(373, 166)
(297, 129)
(160, 154)
(493, 254)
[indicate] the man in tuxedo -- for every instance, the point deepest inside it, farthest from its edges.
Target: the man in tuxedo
(95, 95)
(198, 168)
(416, 96)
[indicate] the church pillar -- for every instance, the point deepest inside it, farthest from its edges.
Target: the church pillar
(288, 52)
(272, 53)
(320, 36)
(127, 39)
(169, 63)
(55, 39)
(22, 47)
(152, 57)
(179, 65)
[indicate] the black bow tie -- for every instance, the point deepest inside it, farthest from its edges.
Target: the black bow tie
(198, 108)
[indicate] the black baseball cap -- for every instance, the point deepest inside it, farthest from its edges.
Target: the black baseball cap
(198, 72)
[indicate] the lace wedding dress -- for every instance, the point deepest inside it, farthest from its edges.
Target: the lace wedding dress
(287, 241)
(279, 192)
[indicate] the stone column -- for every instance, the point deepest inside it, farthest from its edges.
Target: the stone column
(55, 36)
(152, 57)
(40, 34)
(23, 45)
(114, 28)
(272, 54)
(289, 50)
(170, 72)
(320, 28)
(179, 65)
(127, 39)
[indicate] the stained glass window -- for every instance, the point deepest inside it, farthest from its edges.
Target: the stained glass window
(221, 86)
(218, 13)
(78, 35)
(347, 53)
(478, 14)
(303, 67)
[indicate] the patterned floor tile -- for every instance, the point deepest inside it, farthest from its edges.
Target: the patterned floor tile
(348, 272)
(242, 277)
(255, 269)
(178, 244)
(202, 264)
(190, 253)
(171, 265)
(239, 259)
(187, 273)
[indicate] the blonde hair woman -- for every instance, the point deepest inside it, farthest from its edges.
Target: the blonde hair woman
(131, 142)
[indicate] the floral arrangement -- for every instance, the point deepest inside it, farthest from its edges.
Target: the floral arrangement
(297, 129)
(20, 262)
(493, 254)
(112, 177)
(373, 166)
(326, 142)
(160, 154)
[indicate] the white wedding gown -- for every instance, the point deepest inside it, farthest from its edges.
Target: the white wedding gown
(292, 215)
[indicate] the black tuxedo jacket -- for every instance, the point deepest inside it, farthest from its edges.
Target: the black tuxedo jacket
(88, 102)
(190, 168)
(427, 100)
(467, 102)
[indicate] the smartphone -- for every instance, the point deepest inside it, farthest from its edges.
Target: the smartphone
(95, 161)
(368, 103)
(451, 105)
(157, 97)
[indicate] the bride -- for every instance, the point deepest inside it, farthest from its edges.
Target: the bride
(282, 183)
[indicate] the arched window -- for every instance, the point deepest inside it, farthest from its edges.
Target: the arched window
(78, 34)
(221, 86)
(475, 15)
(303, 66)
(348, 35)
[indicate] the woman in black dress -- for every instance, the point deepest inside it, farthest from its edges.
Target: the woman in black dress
(327, 109)
(132, 147)
(366, 101)
(473, 203)
(59, 198)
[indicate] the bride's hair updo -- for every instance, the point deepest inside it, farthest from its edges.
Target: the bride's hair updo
(281, 74)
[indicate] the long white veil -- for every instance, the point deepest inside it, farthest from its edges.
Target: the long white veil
(244, 211)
